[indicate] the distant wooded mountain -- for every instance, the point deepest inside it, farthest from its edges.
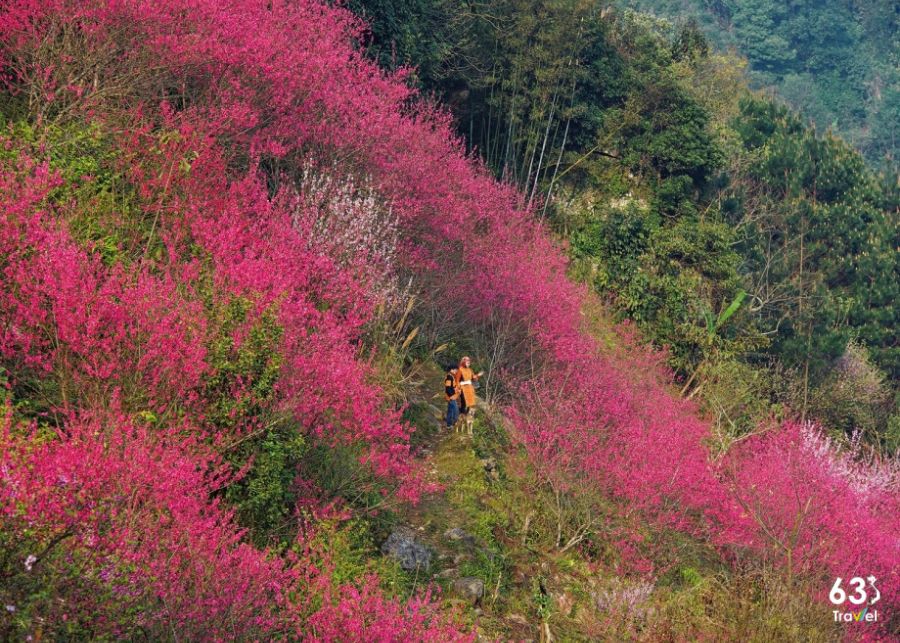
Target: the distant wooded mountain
(836, 61)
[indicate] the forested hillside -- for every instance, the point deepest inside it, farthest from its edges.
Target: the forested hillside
(762, 254)
(239, 240)
(836, 61)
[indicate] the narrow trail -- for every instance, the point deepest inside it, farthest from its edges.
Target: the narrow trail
(462, 524)
(473, 528)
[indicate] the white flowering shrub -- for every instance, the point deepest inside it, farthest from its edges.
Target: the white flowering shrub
(867, 472)
(346, 219)
(629, 599)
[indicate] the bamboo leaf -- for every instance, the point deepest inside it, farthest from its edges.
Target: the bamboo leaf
(732, 309)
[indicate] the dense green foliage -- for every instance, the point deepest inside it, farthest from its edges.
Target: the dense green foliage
(834, 227)
(409, 33)
(836, 60)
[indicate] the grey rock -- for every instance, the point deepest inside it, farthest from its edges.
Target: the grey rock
(403, 547)
(470, 589)
(458, 534)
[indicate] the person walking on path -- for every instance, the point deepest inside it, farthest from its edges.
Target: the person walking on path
(451, 393)
(466, 378)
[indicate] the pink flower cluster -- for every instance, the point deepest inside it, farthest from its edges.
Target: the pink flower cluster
(132, 509)
(818, 515)
(216, 107)
(64, 312)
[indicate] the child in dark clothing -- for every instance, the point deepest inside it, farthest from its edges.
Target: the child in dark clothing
(451, 393)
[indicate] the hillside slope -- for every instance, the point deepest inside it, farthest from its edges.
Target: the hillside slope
(230, 246)
(761, 253)
(836, 62)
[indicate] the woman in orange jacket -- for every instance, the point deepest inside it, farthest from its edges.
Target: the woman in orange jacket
(465, 381)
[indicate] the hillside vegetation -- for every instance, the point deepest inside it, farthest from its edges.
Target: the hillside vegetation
(764, 256)
(835, 60)
(236, 242)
